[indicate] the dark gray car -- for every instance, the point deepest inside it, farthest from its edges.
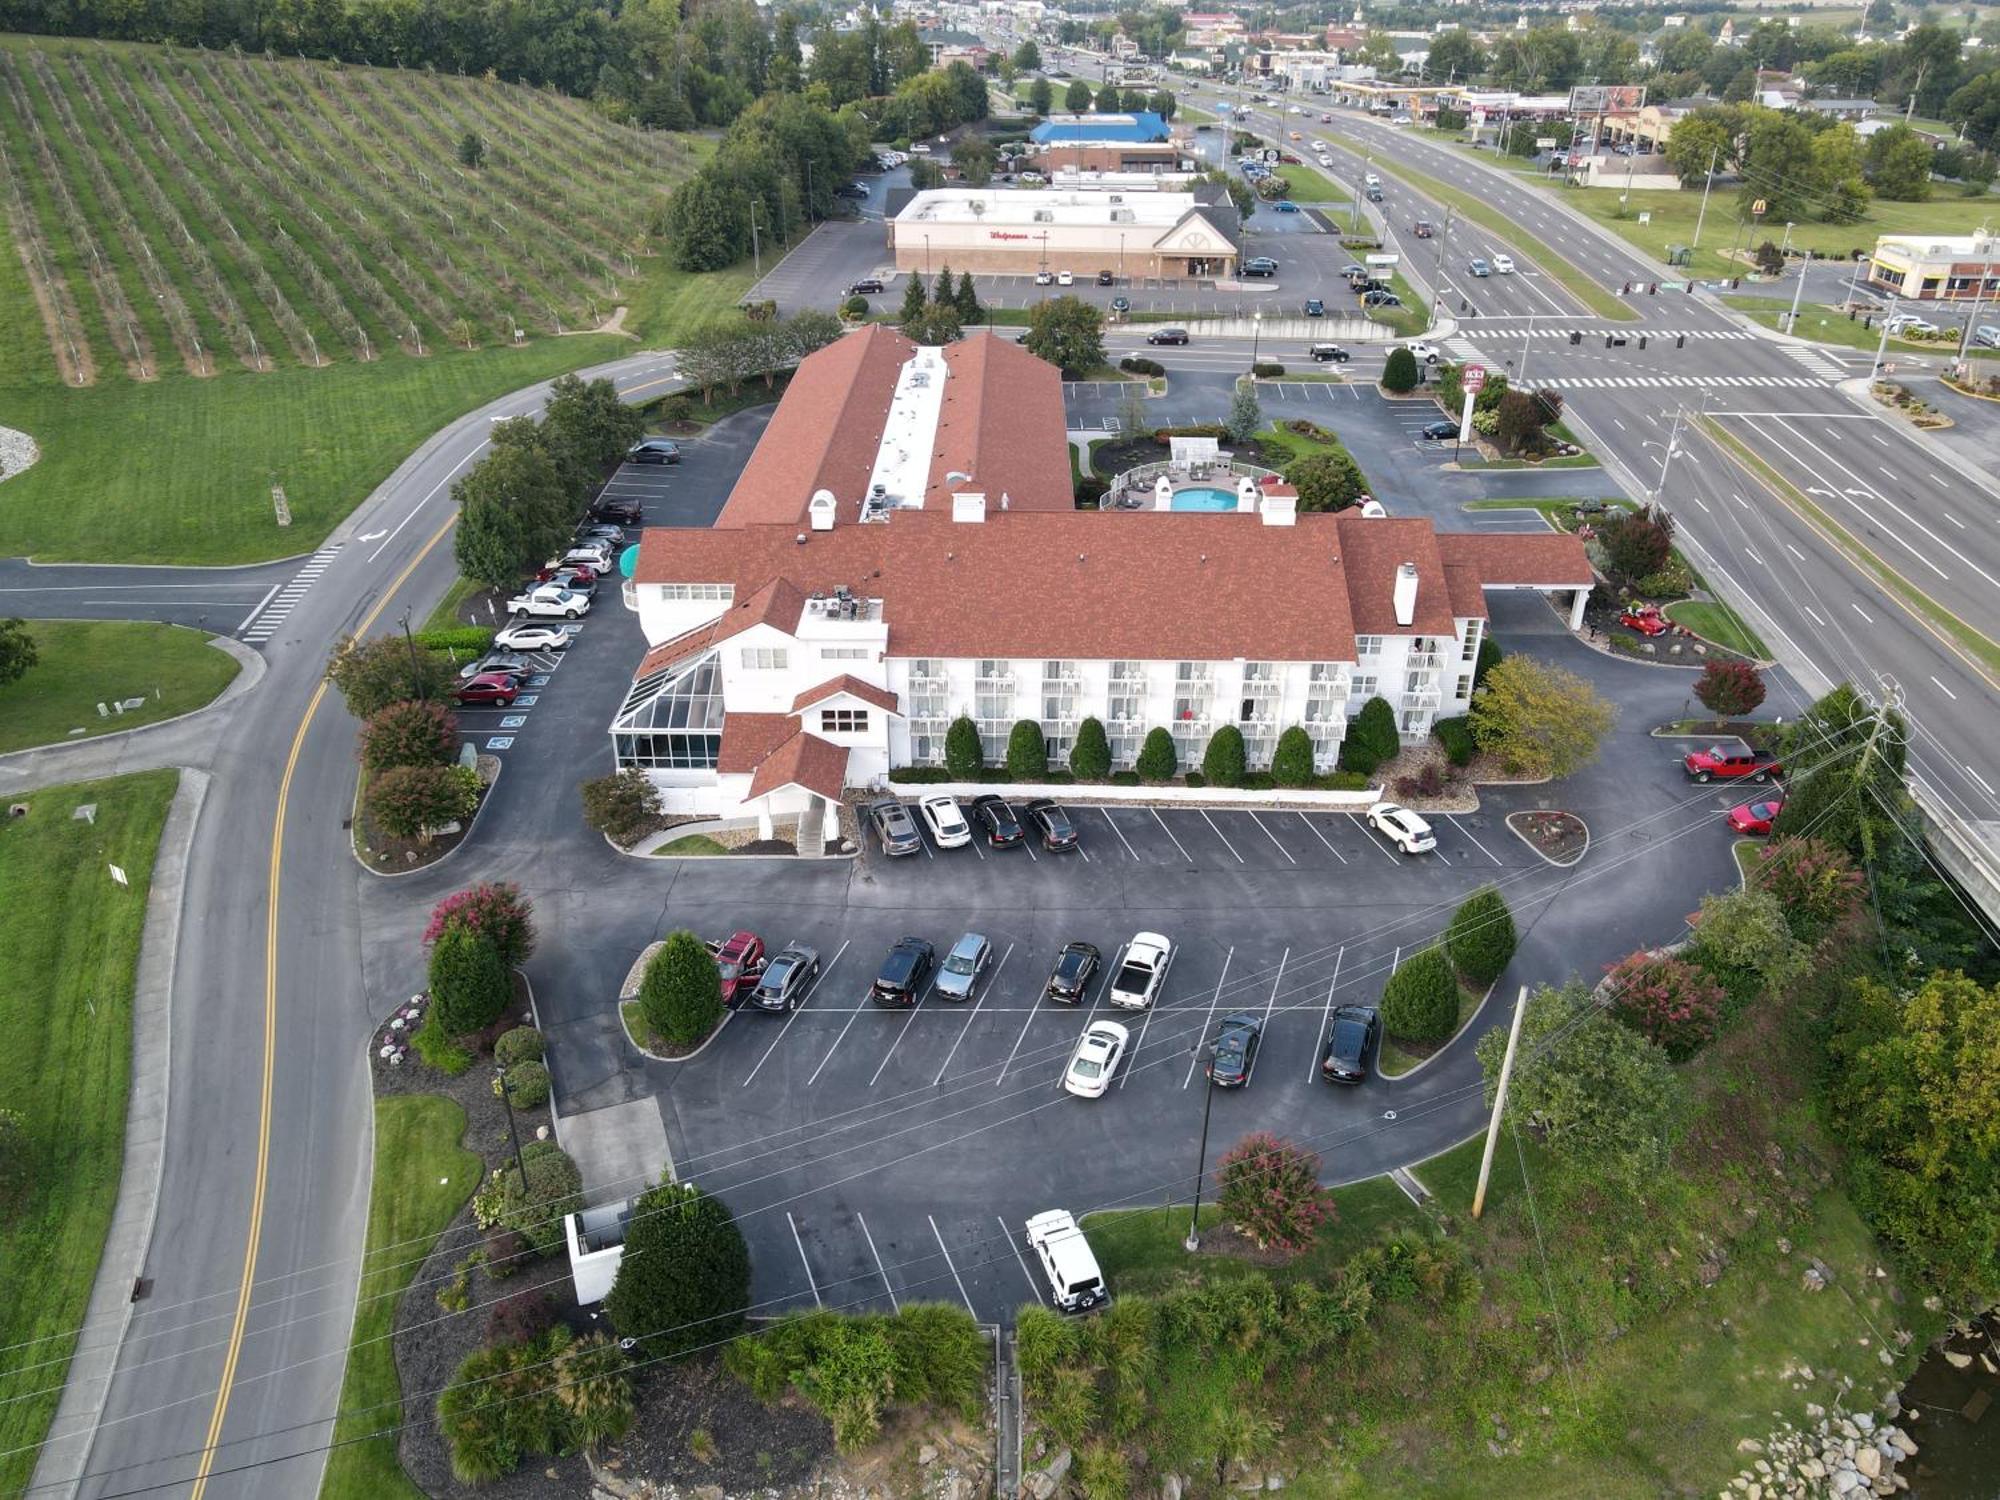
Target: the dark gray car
(895, 827)
(786, 979)
(496, 661)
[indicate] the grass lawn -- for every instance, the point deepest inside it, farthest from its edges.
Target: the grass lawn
(422, 1178)
(1829, 325)
(1307, 184)
(1598, 299)
(70, 946)
(690, 844)
(1745, 853)
(1560, 513)
(87, 662)
(1719, 623)
(445, 616)
(1407, 321)
(1674, 214)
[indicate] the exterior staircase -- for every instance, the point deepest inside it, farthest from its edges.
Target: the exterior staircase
(812, 829)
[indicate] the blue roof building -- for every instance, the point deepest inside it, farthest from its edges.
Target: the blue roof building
(1074, 130)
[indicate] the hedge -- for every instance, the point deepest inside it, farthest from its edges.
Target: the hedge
(1481, 938)
(1455, 734)
(1420, 1002)
(456, 638)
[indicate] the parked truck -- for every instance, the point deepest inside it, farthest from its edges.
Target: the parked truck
(1737, 762)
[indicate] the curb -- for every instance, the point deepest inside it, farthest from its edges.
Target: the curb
(1551, 863)
(135, 1211)
(1449, 1042)
(444, 858)
(720, 1026)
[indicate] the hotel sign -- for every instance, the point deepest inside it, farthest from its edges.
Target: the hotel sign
(1005, 234)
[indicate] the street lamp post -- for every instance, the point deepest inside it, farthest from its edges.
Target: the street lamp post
(1882, 346)
(1256, 333)
(1193, 1241)
(513, 1134)
(416, 675)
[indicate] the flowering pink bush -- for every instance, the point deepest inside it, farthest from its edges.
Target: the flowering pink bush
(1271, 1192)
(1670, 1003)
(497, 910)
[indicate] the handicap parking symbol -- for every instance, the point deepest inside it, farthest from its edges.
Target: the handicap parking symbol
(500, 742)
(513, 721)
(539, 680)
(526, 700)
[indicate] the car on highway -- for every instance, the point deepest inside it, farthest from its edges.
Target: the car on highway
(1054, 826)
(1755, 817)
(1426, 354)
(525, 635)
(494, 661)
(1402, 120)
(1986, 336)
(1479, 266)
(1504, 264)
(1002, 824)
(946, 823)
(1260, 265)
(1423, 229)
(963, 967)
(1315, 308)
(1353, 1038)
(623, 512)
(1232, 1056)
(1401, 827)
(894, 826)
(654, 450)
(1373, 194)
(867, 286)
(1095, 1059)
(1076, 966)
(549, 602)
(1371, 180)
(1439, 430)
(1142, 973)
(1121, 304)
(739, 964)
(497, 688)
(900, 980)
(1326, 119)
(783, 984)
(1168, 336)
(1329, 353)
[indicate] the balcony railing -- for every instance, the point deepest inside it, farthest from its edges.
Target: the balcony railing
(1425, 697)
(1425, 661)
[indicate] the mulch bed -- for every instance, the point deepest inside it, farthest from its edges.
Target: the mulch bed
(1225, 1239)
(1560, 837)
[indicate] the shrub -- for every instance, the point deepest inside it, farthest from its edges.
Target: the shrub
(685, 1276)
(1490, 656)
(1225, 759)
(1104, 1473)
(1326, 481)
(624, 806)
(554, 1188)
(1292, 761)
(1027, 751)
(469, 982)
(1729, 688)
(1455, 735)
(1399, 371)
(1481, 938)
(1816, 884)
(854, 309)
(503, 1251)
(919, 775)
(1668, 1001)
(681, 994)
(1270, 1191)
(409, 734)
(1428, 782)
(1090, 756)
(1371, 738)
(495, 909)
(1264, 371)
(438, 1049)
(410, 802)
(1635, 544)
(526, 1083)
(521, 1044)
(462, 640)
(963, 756)
(1157, 758)
(941, 1356)
(1194, 779)
(548, 1395)
(522, 1316)
(1420, 1002)
(1671, 581)
(1124, 778)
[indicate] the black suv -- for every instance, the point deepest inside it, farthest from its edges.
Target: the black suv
(867, 286)
(654, 451)
(1105, 278)
(1003, 826)
(1057, 831)
(620, 512)
(901, 978)
(1075, 967)
(1168, 336)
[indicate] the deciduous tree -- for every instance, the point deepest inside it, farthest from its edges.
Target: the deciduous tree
(372, 674)
(17, 650)
(409, 734)
(409, 801)
(624, 806)
(1729, 688)
(1668, 1001)
(494, 909)
(1067, 332)
(1540, 719)
(1326, 481)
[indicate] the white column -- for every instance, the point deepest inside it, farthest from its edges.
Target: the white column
(764, 830)
(829, 822)
(1578, 600)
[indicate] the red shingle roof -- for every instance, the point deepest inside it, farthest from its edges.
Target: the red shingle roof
(804, 760)
(748, 739)
(1371, 550)
(1546, 559)
(1002, 423)
(847, 683)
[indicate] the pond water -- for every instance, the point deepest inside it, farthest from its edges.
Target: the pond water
(1957, 1418)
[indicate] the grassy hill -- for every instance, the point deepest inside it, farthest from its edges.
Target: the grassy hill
(257, 272)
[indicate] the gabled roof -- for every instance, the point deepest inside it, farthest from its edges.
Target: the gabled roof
(777, 602)
(804, 760)
(1002, 423)
(853, 687)
(749, 739)
(1520, 559)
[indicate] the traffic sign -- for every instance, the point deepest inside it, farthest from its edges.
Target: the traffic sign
(1473, 378)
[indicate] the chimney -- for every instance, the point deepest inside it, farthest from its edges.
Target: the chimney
(819, 510)
(1280, 510)
(968, 505)
(1406, 593)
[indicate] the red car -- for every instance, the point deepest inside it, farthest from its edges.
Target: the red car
(500, 688)
(1645, 618)
(739, 960)
(548, 571)
(1755, 817)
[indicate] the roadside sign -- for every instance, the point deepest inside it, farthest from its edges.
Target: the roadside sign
(1757, 209)
(1473, 378)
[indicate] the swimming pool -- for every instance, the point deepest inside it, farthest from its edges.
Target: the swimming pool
(1204, 498)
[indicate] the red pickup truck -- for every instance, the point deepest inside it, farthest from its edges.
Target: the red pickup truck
(1731, 763)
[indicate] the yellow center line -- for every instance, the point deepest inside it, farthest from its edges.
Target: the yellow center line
(274, 878)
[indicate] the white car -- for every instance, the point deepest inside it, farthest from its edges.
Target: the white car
(1064, 278)
(1044, 278)
(1504, 264)
(1401, 120)
(946, 823)
(1142, 974)
(1426, 354)
(1371, 180)
(1096, 1058)
(589, 555)
(523, 635)
(549, 602)
(1402, 828)
(1910, 323)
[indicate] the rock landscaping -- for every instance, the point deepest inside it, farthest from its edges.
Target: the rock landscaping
(1559, 837)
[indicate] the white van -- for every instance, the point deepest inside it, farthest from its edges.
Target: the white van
(1075, 1282)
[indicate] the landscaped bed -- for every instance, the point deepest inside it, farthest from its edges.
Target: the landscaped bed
(1559, 837)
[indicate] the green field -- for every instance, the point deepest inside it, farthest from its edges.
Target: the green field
(1829, 325)
(82, 663)
(278, 241)
(1307, 185)
(70, 948)
(422, 1178)
(1674, 215)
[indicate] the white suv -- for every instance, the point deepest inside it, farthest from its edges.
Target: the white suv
(1427, 354)
(1075, 1282)
(1402, 828)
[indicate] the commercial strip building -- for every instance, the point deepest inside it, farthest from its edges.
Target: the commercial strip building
(902, 549)
(1937, 267)
(1161, 235)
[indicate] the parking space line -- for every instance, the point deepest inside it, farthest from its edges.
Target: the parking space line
(1219, 833)
(1029, 844)
(1120, 832)
(971, 1015)
(1271, 836)
(908, 1021)
(954, 1269)
(1019, 1259)
(811, 1281)
(1277, 980)
(894, 1304)
(1326, 1014)
(804, 1001)
(835, 1047)
(1368, 837)
(1475, 842)
(1169, 833)
(1215, 999)
(1322, 838)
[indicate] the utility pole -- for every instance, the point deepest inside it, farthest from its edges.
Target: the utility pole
(1713, 153)
(1792, 319)
(1444, 235)
(1193, 1241)
(1882, 346)
(756, 254)
(1972, 315)
(1892, 703)
(1499, 1102)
